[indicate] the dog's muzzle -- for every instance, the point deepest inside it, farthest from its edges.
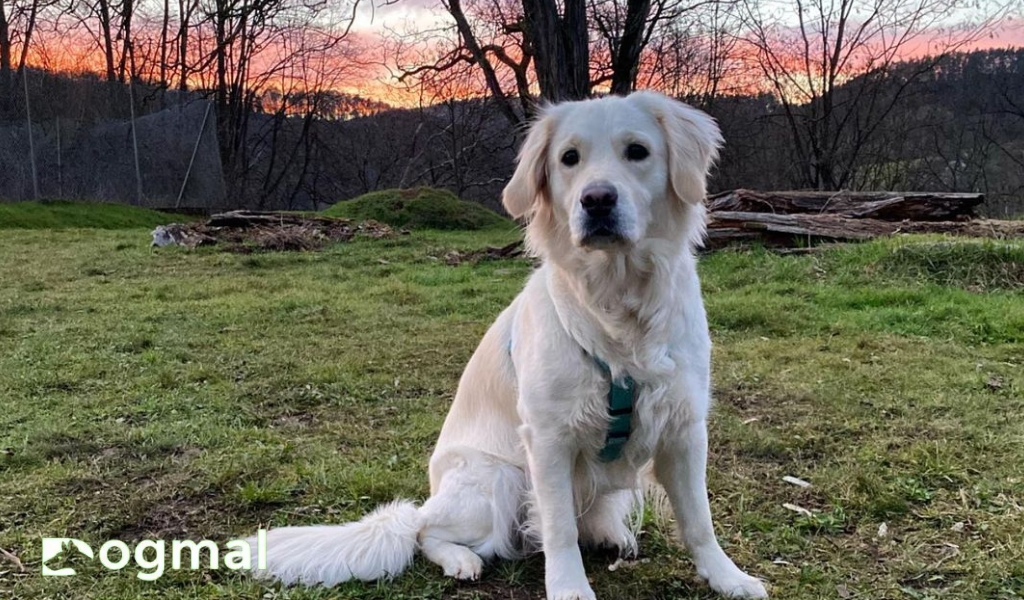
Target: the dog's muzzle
(600, 225)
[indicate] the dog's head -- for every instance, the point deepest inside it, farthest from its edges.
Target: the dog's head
(610, 173)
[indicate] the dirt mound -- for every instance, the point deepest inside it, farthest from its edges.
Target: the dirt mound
(420, 208)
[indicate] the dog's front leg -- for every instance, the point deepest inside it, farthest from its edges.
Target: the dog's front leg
(681, 467)
(551, 458)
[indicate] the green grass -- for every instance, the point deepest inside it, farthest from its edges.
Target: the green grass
(981, 265)
(420, 208)
(73, 215)
(173, 394)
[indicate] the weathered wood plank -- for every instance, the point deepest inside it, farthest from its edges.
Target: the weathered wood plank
(726, 227)
(884, 206)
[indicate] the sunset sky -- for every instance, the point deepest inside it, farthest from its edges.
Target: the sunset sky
(373, 23)
(374, 26)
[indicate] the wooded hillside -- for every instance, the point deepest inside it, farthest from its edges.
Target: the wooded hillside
(958, 127)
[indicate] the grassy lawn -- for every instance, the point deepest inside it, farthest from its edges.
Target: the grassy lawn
(189, 395)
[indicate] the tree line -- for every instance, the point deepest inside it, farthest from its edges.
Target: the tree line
(811, 93)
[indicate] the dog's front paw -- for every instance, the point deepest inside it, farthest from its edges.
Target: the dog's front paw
(565, 577)
(566, 583)
(737, 584)
(724, 576)
(572, 593)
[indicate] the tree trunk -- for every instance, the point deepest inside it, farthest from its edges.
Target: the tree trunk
(469, 39)
(560, 48)
(5, 42)
(226, 117)
(163, 42)
(728, 227)
(127, 11)
(29, 29)
(222, 49)
(626, 61)
(885, 206)
(103, 6)
(183, 18)
(542, 29)
(6, 93)
(575, 36)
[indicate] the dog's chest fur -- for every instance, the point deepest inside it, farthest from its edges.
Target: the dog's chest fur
(657, 335)
(659, 407)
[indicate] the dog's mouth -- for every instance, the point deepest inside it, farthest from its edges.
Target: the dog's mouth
(601, 234)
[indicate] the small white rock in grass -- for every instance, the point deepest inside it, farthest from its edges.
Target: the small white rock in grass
(883, 530)
(798, 509)
(621, 563)
(796, 481)
(957, 527)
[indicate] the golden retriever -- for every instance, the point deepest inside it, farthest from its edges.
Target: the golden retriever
(596, 374)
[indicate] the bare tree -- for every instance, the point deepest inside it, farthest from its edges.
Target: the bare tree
(5, 61)
(17, 24)
(695, 55)
(299, 96)
(532, 50)
(30, 27)
(624, 31)
(828, 62)
(489, 37)
(460, 138)
(105, 14)
(5, 41)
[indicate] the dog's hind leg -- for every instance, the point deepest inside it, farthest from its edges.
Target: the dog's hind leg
(457, 561)
(609, 522)
(455, 519)
(471, 517)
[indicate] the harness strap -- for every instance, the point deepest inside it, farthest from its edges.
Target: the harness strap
(621, 397)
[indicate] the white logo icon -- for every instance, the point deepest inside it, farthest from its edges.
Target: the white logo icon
(54, 547)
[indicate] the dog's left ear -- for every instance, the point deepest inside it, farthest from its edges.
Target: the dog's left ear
(693, 142)
(529, 184)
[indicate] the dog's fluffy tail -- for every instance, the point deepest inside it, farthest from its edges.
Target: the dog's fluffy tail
(379, 546)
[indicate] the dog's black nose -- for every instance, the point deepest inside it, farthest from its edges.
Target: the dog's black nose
(599, 199)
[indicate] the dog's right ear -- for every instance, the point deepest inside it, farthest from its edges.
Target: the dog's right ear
(529, 184)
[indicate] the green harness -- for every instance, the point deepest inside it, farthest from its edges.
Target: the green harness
(622, 395)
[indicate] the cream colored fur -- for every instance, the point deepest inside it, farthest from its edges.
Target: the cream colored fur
(516, 463)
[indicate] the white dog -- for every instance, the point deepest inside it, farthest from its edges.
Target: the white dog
(599, 368)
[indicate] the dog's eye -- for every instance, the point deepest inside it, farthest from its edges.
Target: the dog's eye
(636, 152)
(570, 157)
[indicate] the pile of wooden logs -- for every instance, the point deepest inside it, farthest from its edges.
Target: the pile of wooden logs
(454, 258)
(804, 218)
(246, 231)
